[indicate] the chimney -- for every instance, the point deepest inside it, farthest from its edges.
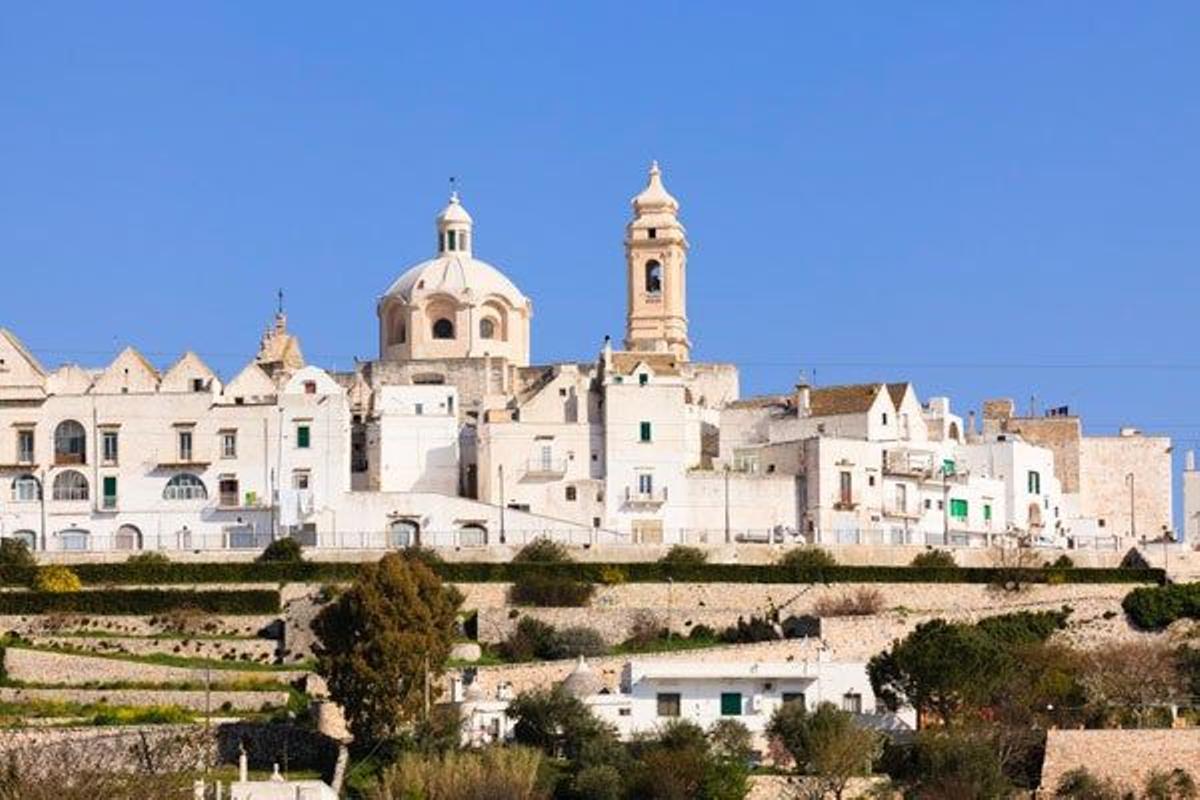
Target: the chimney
(1189, 461)
(971, 425)
(606, 354)
(803, 397)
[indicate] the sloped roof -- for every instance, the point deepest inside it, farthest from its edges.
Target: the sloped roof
(832, 401)
(761, 401)
(625, 362)
(897, 391)
(20, 347)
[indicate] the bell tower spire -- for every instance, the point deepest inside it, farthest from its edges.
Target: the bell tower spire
(656, 259)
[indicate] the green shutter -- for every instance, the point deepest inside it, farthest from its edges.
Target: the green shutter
(110, 485)
(731, 704)
(645, 432)
(987, 512)
(302, 436)
(958, 509)
(948, 466)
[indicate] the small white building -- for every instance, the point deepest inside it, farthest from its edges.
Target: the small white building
(654, 693)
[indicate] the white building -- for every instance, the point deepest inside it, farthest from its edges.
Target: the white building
(653, 693)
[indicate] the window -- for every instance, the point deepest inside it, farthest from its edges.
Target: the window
(26, 488)
(70, 485)
(472, 534)
(462, 240)
(109, 496)
(870, 480)
(731, 704)
(197, 384)
(948, 466)
(70, 443)
(571, 494)
(127, 538)
(228, 444)
(653, 277)
(958, 509)
(644, 432)
(595, 522)
(646, 484)
(300, 479)
(643, 379)
(441, 242)
(419, 409)
(303, 436)
(668, 704)
(310, 387)
(793, 697)
(185, 486)
(25, 447)
(443, 329)
(227, 491)
(885, 418)
(73, 539)
(928, 504)
(987, 512)
(108, 445)
(652, 233)
(941, 505)
(450, 405)
(28, 537)
(403, 533)
(487, 328)
(901, 497)
(1035, 483)
(185, 445)
(852, 702)
(845, 488)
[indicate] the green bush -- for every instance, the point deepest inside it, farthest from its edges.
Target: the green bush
(934, 559)
(150, 557)
(1062, 562)
(1154, 608)
(1080, 784)
(548, 590)
(684, 556)
(140, 601)
(578, 641)
(143, 574)
(15, 553)
(807, 558)
(286, 550)
(56, 579)
(532, 639)
(543, 551)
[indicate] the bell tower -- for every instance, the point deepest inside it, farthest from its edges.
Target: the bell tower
(656, 257)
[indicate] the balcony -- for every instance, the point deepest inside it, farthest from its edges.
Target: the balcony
(915, 464)
(650, 499)
(898, 512)
(546, 468)
(62, 459)
(845, 505)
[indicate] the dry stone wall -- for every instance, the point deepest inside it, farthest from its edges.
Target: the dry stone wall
(194, 700)
(1126, 756)
(34, 666)
(261, 651)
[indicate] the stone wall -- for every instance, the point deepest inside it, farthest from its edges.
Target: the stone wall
(195, 700)
(129, 625)
(260, 651)
(1105, 461)
(1126, 756)
(34, 666)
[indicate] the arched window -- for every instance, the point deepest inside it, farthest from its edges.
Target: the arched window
(28, 537)
(404, 533)
(487, 328)
(443, 329)
(185, 486)
(397, 329)
(954, 431)
(26, 489)
(127, 538)
(70, 443)
(70, 485)
(472, 534)
(74, 539)
(653, 277)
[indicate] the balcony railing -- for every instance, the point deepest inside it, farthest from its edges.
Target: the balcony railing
(907, 462)
(546, 468)
(636, 497)
(902, 512)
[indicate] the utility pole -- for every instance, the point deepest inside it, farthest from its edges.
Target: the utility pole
(502, 536)
(1132, 521)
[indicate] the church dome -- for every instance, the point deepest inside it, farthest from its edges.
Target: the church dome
(454, 305)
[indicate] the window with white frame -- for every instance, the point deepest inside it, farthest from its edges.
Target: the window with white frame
(185, 486)
(301, 479)
(25, 446)
(109, 446)
(645, 483)
(228, 444)
(26, 489)
(70, 485)
(185, 445)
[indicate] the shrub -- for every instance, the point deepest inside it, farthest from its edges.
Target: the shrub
(807, 558)
(426, 555)
(599, 782)
(578, 641)
(140, 601)
(612, 575)
(148, 558)
(756, 629)
(548, 590)
(15, 553)
(1177, 784)
(934, 559)
(505, 773)
(702, 633)
(1156, 607)
(645, 631)
(1062, 562)
(684, 556)
(286, 550)
(543, 551)
(531, 639)
(864, 602)
(1080, 784)
(57, 579)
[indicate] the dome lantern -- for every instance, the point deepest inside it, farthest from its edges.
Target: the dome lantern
(454, 228)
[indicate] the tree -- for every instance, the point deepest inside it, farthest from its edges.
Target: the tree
(825, 744)
(1132, 683)
(957, 762)
(680, 763)
(286, 549)
(559, 725)
(1174, 785)
(15, 553)
(382, 643)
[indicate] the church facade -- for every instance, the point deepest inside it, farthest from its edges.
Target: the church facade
(453, 437)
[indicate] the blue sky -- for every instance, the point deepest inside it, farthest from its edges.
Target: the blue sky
(990, 199)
